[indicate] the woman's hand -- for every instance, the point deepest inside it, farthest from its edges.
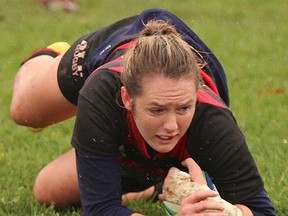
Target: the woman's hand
(145, 194)
(194, 171)
(197, 204)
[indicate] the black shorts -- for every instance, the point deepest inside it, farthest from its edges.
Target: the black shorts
(72, 70)
(79, 60)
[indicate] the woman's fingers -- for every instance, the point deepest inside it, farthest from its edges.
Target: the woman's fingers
(199, 196)
(145, 194)
(194, 171)
(198, 202)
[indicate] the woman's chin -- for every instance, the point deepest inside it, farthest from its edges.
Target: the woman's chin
(164, 148)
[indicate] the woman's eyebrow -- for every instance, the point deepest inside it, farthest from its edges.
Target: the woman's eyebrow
(156, 103)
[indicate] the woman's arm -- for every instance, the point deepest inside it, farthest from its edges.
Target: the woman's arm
(224, 154)
(97, 133)
(100, 185)
(259, 204)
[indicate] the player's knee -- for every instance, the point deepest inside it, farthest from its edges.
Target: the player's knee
(22, 115)
(16, 113)
(49, 191)
(42, 191)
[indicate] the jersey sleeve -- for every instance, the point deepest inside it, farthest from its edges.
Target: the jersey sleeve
(99, 127)
(216, 143)
(100, 185)
(260, 204)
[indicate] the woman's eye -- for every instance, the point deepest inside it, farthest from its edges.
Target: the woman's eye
(183, 110)
(156, 111)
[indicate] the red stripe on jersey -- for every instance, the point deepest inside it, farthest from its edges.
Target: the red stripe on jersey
(125, 46)
(206, 95)
(209, 82)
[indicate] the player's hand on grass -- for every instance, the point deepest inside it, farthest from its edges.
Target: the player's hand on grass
(145, 194)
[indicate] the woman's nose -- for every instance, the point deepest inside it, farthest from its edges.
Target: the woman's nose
(170, 123)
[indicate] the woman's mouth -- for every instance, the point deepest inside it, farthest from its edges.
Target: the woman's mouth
(165, 139)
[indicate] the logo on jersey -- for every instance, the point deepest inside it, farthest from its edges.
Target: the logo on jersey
(78, 59)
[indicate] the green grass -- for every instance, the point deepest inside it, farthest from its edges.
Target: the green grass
(248, 37)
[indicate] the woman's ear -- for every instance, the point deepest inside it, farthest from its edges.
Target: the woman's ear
(126, 99)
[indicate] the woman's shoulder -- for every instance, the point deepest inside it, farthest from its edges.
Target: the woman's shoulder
(210, 120)
(208, 96)
(102, 81)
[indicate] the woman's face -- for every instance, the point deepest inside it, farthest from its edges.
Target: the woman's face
(164, 111)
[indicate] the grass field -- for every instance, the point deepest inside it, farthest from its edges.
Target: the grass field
(249, 38)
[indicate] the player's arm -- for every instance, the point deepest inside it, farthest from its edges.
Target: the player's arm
(99, 183)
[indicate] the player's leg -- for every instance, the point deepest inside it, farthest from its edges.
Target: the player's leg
(57, 182)
(37, 100)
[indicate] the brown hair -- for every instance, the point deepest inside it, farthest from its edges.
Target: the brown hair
(158, 49)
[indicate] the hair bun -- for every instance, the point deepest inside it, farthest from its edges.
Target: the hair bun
(158, 27)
